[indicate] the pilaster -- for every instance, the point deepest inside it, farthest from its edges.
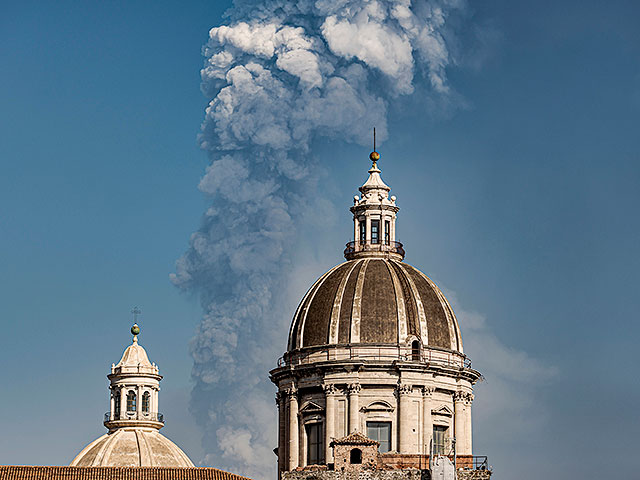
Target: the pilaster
(354, 407)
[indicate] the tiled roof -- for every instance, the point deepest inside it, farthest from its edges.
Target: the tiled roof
(355, 438)
(113, 473)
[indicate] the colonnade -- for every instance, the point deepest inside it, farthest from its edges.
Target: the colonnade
(291, 435)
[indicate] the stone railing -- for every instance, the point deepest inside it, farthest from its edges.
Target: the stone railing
(376, 354)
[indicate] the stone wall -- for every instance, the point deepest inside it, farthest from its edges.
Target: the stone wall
(403, 460)
(366, 474)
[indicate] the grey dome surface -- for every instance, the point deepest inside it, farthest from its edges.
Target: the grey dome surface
(374, 301)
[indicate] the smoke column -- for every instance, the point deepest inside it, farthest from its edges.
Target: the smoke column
(279, 75)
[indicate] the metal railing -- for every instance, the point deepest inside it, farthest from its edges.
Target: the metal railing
(150, 417)
(353, 247)
(429, 357)
(480, 462)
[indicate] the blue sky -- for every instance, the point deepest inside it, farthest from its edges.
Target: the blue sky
(520, 200)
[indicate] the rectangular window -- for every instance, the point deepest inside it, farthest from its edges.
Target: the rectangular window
(439, 439)
(381, 433)
(315, 447)
(363, 231)
(387, 232)
(375, 231)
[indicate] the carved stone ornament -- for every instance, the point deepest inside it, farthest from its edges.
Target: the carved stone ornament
(290, 392)
(427, 391)
(404, 389)
(353, 388)
(465, 397)
(329, 389)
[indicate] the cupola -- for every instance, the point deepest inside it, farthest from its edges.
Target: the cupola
(133, 419)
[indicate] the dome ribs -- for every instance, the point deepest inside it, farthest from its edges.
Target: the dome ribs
(400, 303)
(337, 309)
(374, 300)
(438, 324)
(344, 327)
(356, 310)
(295, 335)
(410, 303)
(318, 314)
(378, 307)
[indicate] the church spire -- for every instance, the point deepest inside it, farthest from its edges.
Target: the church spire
(374, 218)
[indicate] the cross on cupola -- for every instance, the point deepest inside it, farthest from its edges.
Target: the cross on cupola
(374, 217)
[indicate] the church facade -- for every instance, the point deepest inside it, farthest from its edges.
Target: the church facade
(374, 354)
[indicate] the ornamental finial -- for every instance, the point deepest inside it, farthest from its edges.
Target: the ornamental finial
(135, 330)
(374, 156)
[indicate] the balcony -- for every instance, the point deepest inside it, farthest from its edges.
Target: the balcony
(142, 416)
(371, 353)
(357, 249)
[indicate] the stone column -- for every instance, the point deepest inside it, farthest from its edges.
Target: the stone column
(293, 428)
(404, 423)
(123, 401)
(427, 421)
(368, 234)
(393, 228)
(138, 401)
(280, 402)
(112, 412)
(467, 424)
(329, 419)
(354, 405)
(458, 421)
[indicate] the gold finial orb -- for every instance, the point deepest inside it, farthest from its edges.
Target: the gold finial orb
(374, 156)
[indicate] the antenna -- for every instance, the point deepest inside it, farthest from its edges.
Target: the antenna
(374, 139)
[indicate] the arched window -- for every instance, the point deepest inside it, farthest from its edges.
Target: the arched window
(355, 456)
(116, 403)
(131, 401)
(146, 398)
(415, 351)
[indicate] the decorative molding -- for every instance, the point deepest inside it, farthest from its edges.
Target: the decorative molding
(378, 406)
(442, 410)
(311, 407)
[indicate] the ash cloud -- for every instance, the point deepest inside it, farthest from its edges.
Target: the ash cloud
(279, 76)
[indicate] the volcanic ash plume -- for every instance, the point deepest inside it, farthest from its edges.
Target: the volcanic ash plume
(280, 75)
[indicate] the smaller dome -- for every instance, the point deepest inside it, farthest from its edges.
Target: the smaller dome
(132, 448)
(135, 360)
(134, 355)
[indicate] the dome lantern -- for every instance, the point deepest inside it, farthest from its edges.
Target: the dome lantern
(374, 219)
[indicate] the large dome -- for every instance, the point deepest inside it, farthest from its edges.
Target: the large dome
(133, 447)
(374, 301)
